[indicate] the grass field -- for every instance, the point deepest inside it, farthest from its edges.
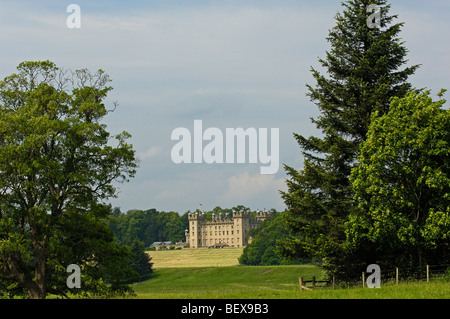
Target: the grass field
(195, 257)
(213, 274)
(224, 282)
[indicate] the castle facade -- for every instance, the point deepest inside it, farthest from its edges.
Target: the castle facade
(222, 231)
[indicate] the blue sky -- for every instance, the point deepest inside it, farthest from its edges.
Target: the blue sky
(228, 63)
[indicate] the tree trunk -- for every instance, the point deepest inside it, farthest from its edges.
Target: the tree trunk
(40, 287)
(19, 272)
(40, 274)
(419, 253)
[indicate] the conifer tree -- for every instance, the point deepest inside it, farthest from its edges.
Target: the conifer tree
(141, 262)
(365, 69)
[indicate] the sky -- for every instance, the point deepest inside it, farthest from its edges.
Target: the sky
(229, 63)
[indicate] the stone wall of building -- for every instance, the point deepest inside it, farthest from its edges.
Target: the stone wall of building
(223, 230)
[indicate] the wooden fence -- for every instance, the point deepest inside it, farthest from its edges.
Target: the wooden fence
(325, 283)
(303, 283)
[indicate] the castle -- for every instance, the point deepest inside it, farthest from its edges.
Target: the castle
(222, 231)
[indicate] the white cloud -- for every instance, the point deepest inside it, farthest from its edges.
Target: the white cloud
(248, 188)
(152, 152)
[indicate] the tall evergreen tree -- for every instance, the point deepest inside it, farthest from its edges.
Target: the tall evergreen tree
(365, 70)
(141, 261)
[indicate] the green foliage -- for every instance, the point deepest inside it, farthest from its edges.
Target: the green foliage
(402, 185)
(57, 165)
(140, 262)
(364, 73)
(263, 250)
(148, 226)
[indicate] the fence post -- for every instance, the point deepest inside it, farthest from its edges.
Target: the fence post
(364, 279)
(314, 282)
(396, 276)
(300, 282)
(334, 282)
(428, 273)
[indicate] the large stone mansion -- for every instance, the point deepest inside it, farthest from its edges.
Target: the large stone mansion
(222, 231)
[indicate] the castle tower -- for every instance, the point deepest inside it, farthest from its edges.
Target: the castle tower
(263, 215)
(195, 224)
(241, 226)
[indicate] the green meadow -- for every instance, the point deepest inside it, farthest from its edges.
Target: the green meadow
(223, 282)
(195, 275)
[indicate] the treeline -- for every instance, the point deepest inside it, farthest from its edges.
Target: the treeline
(147, 226)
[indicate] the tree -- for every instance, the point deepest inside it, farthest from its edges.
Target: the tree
(173, 226)
(263, 249)
(402, 185)
(364, 73)
(148, 226)
(57, 165)
(140, 261)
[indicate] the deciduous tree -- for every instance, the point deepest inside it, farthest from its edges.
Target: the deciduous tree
(402, 186)
(57, 165)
